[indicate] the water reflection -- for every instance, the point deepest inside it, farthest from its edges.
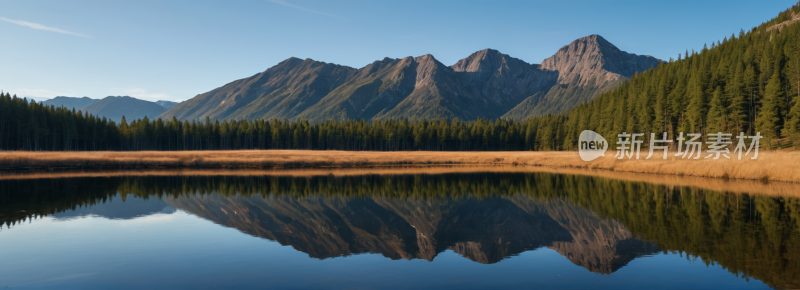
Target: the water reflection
(599, 224)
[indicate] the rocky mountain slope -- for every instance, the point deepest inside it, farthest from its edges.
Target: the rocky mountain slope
(587, 67)
(282, 91)
(486, 84)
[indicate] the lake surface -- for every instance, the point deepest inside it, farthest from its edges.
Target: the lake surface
(440, 231)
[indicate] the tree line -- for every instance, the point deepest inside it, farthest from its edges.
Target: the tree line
(28, 125)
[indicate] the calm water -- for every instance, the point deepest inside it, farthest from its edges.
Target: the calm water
(449, 231)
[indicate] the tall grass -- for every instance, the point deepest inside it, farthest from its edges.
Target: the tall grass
(770, 165)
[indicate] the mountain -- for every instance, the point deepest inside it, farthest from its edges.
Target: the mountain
(114, 108)
(166, 104)
(587, 67)
(70, 102)
(282, 91)
(486, 84)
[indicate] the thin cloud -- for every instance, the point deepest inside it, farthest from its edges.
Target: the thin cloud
(38, 26)
(284, 3)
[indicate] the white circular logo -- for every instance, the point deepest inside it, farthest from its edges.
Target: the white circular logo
(591, 145)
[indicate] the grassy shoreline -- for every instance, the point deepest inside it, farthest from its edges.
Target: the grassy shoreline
(781, 166)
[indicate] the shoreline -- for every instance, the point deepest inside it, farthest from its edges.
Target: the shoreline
(782, 166)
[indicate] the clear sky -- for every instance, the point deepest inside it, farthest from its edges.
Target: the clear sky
(174, 50)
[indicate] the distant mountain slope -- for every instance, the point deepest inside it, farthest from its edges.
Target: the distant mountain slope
(114, 108)
(282, 91)
(587, 67)
(166, 104)
(372, 90)
(70, 102)
(487, 84)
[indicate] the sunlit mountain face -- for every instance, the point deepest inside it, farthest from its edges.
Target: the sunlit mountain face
(599, 224)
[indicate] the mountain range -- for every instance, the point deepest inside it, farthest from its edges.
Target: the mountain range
(113, 108)
(486, 84)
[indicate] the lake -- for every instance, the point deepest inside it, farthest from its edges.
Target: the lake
(478, 230)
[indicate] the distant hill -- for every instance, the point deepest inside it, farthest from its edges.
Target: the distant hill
(70, 102)
(166, 104)
(487, 84)
(114, 108)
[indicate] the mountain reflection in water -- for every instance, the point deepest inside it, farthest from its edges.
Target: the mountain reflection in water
(599, 224)
(483, 230)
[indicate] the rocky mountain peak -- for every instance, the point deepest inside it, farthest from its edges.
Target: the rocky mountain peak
(480, 60)
(594, 59)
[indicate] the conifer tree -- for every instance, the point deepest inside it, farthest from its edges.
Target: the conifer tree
(769, 115)
(717, 112)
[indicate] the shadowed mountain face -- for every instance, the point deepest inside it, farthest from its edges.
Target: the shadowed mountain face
(483, 230)
(486, 84)
(70, 102)
(114, 108)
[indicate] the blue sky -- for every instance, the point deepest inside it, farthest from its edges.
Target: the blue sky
(174, 50)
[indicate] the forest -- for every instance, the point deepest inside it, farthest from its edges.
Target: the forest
(748, 82)
(59, 129)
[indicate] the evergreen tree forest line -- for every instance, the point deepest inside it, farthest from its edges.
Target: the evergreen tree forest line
(28, 125)
(748, 82)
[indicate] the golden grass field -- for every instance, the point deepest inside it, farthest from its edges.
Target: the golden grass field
(770, 166)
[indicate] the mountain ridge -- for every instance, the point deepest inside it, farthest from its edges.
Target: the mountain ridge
(70, 102)
(114, 108)
(486, 84)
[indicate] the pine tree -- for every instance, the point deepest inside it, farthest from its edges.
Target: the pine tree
(717, 112)
(769, 115)
(737, 107)
(793, 124)
(698, 102)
